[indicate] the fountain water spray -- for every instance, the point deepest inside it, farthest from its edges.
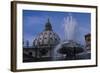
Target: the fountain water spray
(70, 32)
(70, 28)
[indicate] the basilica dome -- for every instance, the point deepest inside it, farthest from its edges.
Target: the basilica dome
(46, 39)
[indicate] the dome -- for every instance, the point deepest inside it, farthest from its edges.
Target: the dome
(47, 38)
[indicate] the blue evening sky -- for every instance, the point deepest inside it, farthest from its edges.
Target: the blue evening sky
(34, 23)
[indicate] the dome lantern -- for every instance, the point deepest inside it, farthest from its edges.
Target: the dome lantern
(48, 26)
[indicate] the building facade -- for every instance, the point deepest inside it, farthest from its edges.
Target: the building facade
(88, 41)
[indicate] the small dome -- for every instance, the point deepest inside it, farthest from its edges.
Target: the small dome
(47, 38)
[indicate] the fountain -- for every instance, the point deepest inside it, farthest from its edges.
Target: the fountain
(68, 48)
